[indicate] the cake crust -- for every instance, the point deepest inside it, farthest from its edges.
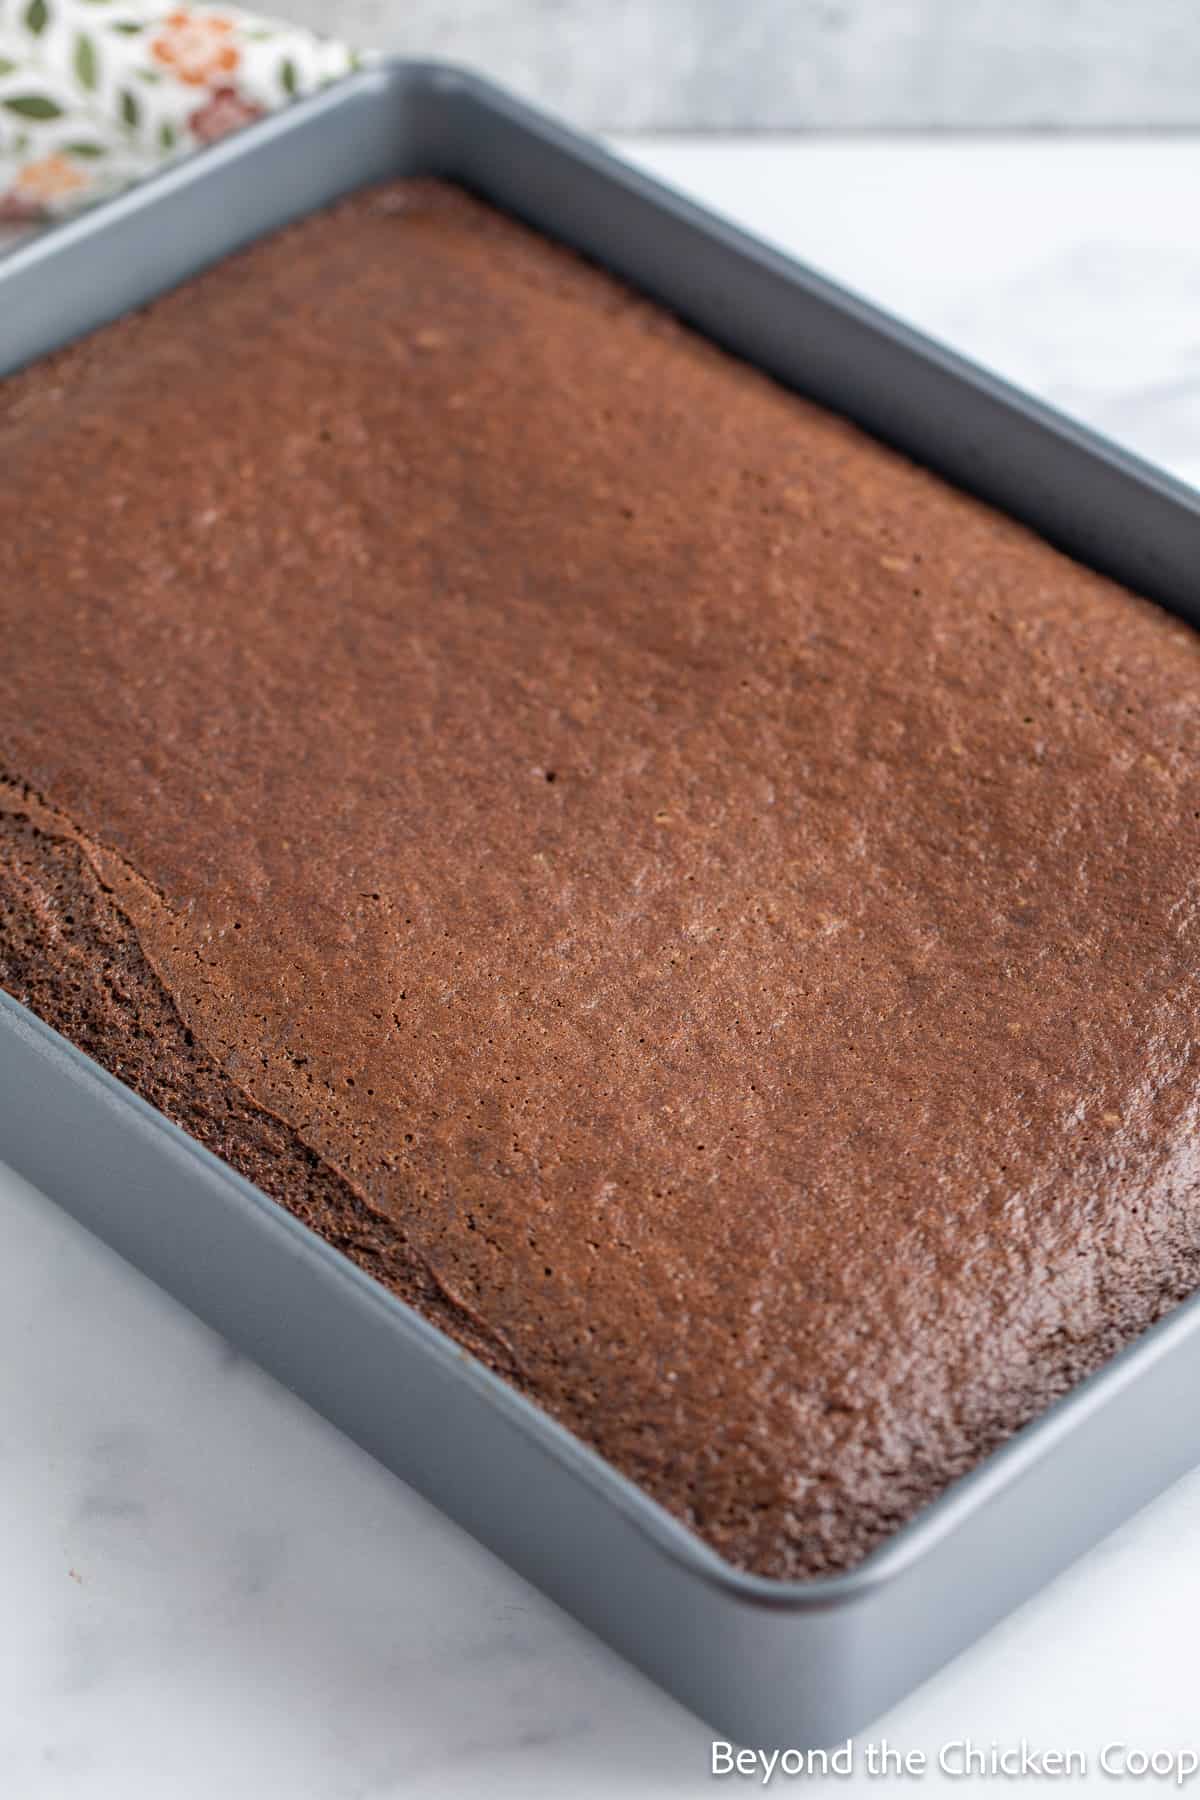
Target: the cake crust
(701, 908)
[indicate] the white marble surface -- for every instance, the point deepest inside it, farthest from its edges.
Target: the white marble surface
(205, 1591)
(754, 65)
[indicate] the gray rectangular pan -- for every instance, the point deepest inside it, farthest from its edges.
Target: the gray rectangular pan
(767, 1663)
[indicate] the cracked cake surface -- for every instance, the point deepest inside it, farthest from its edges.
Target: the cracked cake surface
(698, 906)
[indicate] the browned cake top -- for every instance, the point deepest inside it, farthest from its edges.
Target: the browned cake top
(726, 900)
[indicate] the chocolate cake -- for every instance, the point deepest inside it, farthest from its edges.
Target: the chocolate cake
(697, 905)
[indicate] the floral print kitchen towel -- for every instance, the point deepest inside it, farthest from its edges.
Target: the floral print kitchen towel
(93, 93)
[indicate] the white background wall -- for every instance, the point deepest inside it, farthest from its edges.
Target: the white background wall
(793, 64)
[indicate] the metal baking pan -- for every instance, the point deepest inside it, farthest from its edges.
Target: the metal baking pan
(767, 1663)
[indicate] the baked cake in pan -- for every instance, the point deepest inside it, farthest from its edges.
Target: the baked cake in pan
(699, 907)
